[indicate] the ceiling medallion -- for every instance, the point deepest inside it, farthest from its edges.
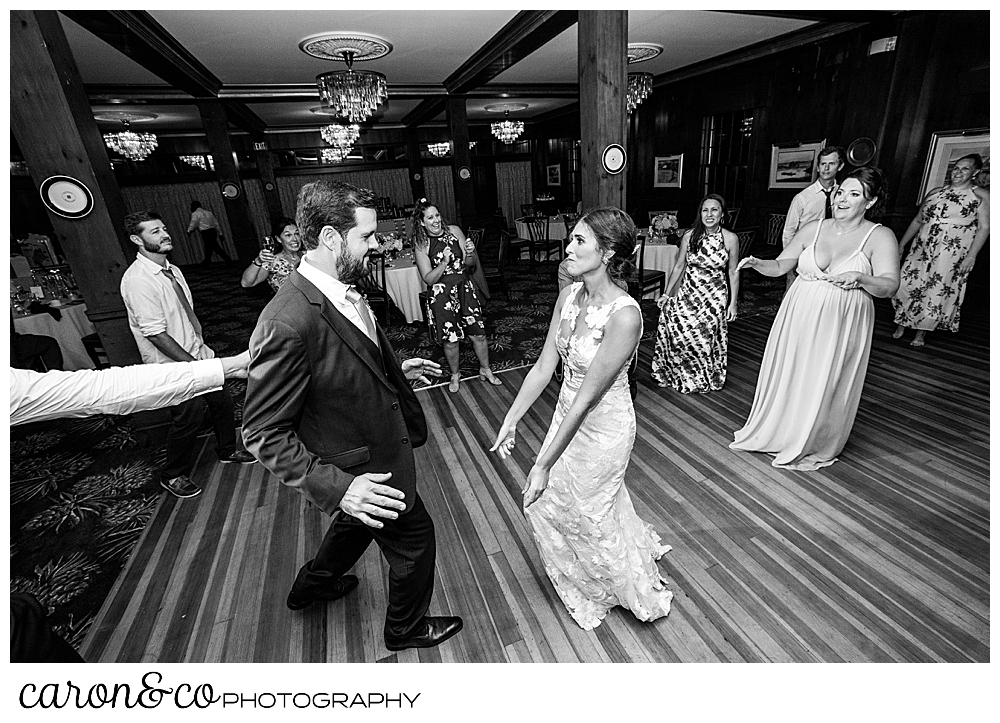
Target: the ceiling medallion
(350, 94)
(641, 52)
(131, 145)
(439, 150)
(640, 85)
(507, 131)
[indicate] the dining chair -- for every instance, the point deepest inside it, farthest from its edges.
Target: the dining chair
(475, 235)
(775, 227)
(648, 280)
(94, 347)
(372, 285)
(746, 237)
(518, 244)
(731, 218)
(538, 230)
(497, 274)
(428, 311)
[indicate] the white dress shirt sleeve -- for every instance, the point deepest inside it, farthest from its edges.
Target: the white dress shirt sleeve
(143, 303)
(792, 220)
(120, 390)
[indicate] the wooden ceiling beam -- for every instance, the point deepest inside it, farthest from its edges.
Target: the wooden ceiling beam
(524, 34)
(822, 16)
(137, 35)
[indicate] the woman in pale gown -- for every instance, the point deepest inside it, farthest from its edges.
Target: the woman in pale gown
(596, 550)
(816, 357)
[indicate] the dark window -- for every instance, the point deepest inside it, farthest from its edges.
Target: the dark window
(726, 147)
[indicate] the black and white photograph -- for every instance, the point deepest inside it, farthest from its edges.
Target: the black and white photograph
(364, 358)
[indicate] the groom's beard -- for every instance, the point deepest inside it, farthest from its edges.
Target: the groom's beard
(350, 269)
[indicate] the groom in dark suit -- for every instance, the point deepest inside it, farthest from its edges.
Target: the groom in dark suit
(330, 412)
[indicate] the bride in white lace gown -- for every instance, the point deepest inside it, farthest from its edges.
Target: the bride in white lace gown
(596, 550)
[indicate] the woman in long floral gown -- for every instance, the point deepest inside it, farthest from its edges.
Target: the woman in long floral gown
(953, 225)
(692, 337)
(596, 550)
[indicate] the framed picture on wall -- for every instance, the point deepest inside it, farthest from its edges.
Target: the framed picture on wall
(554, 174)
(667, 171)
(794, 166)
(946, 148)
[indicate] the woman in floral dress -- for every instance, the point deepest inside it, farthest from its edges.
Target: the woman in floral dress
(445, 259)
(953, 225)
(274, 267)
(691, 338)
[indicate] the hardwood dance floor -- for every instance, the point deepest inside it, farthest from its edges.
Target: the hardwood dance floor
(883, 556)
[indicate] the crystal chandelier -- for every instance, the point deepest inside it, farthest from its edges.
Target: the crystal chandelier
(203, 162)
(335, 155)
(640, 85)
(507, 130)
(439, 149)
(132, 145)
(341, 136)
(350, 94)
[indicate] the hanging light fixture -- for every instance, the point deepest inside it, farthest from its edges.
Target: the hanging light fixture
(350, 94)
(507, 130)
(439, 149)
(640, 85)
(203, 162)
(131, 145)
(335, 155)
(341, 135)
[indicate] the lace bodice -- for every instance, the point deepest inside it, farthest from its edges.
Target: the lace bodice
(578, 347)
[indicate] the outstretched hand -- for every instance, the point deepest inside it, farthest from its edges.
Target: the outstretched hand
(367, 499)
(749, 262)
(505, 440)
(847, 280)
(420, 369)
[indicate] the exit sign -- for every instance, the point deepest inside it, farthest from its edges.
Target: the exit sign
(260, 146)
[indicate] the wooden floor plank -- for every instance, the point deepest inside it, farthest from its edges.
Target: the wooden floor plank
(882, 557)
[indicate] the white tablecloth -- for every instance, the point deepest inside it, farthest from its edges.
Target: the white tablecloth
(403, 282)
(660, 257)
(557, 228)
(73, 326)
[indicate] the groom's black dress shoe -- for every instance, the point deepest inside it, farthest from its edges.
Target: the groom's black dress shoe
(343, 585)
(429, 633)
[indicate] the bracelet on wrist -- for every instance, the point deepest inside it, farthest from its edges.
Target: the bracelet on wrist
(257, 262)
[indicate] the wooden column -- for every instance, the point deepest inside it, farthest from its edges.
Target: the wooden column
(458, 128)
(213, 118)
(269, 187)
(416, 164)
(602, 58)
(55, 128)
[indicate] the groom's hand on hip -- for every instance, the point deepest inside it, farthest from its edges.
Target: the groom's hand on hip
(368, 499)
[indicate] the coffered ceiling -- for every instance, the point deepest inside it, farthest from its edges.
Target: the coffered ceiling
(252, 57)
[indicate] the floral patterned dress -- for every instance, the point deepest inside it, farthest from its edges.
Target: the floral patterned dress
(596, 550)
(456, 311)
(692, 336)
(931, 288)
(280, 268)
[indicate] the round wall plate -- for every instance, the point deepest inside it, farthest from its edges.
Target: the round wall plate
(861, 151)
(613, 159)
(230, 190)
(268, 186)
(417, 176)
(67, 197)
(464, 173)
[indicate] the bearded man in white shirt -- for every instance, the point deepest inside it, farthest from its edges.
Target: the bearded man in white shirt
(815, 201)
(162, 320)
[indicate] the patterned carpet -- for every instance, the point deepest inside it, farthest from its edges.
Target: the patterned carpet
(82, 491)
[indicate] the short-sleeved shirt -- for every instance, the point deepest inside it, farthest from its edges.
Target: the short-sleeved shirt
(203, 219)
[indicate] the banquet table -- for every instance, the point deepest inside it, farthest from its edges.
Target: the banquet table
(68, 332)
(403, 283)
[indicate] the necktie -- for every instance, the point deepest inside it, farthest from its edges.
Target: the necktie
(829, 206)
(364, 312)
(183, 299)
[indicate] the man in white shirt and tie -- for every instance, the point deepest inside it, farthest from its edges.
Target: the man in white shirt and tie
(161, 317)
(205, 223)
(815, 201)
